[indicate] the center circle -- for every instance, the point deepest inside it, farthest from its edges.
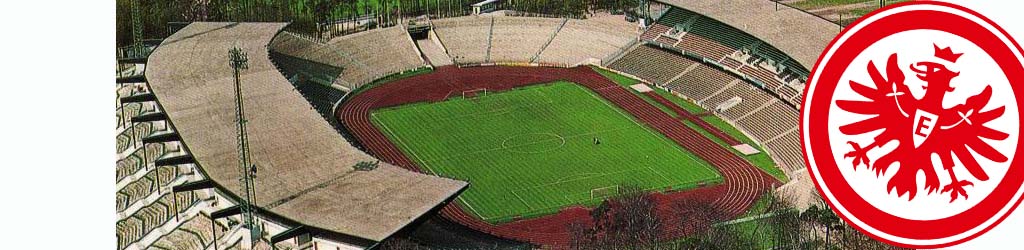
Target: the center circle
(531, 143)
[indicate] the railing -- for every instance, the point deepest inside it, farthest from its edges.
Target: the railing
(134, 52)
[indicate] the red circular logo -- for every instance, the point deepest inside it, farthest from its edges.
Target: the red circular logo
(910, 124)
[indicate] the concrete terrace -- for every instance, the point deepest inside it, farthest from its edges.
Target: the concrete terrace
(800, 35)
(306, 169)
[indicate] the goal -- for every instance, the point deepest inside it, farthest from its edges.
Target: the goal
(474, 93)
(603, 192)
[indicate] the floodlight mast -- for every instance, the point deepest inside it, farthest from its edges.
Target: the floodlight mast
(239, 62)
(136, 48)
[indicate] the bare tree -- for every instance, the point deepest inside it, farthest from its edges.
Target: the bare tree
(703, 220)
(625, 221)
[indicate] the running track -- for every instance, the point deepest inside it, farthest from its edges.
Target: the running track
(743, 183)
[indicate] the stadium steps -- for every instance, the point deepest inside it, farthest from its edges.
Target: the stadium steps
(621, 52)
(786, 150)
(152, 221)
(128, 168)
(682, 73)
(136, 192)
(196, 233)
(712, 96)
(654, 31)
(150, 187)
(790, 131)
(758, 109)
(434, 53)
(490, 38)
(548, 42)
(126, 141)
(125, 114)
(773, 119)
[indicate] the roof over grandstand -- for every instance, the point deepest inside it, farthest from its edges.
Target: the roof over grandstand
(306, 169)
(799, 34)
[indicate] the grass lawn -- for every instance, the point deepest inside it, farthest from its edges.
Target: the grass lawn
(530, 151)
(761, 160)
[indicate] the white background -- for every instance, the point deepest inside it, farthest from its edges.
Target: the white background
(56, 124)
(1010, 233)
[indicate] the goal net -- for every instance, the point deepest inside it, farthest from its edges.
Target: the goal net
(603, 192)
(474, 93)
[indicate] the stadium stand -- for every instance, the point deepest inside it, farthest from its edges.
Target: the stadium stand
(362, 57)
(788, 148)
(519, 39)
(148, 218)
(798, 35)
(654, 30)
(789, 92)
(652, 64)
(305, 166)
(700, 82)
(129, 110)
(762, 115)
(729, 62)
(321, 97)
(579, 40)
(752, 98)
(131, 164)
(194, 234)
(124, 140)
(466, 39)
(313, 80)
(772, 120)
(774, 76)
(141, 129)
(134, 192)
(506, 39)
(708, 38)
(145, 186)
(433, 52)
(762, 75)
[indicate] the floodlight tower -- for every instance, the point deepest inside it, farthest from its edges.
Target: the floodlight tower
(239, 62)
(136, 48)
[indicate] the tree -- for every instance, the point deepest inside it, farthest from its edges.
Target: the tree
(701, 218)
(628, 219)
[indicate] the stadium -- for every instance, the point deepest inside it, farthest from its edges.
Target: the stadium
(486, 128)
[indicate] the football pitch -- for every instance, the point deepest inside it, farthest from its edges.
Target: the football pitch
(531, 151)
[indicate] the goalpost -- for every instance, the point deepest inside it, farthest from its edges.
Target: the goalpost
(604, 192)
(467, 94)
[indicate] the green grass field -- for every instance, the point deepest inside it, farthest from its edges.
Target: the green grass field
(531, 151)
(761, 160)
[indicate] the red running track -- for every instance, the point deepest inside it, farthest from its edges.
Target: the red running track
(742, 186)
(728, 139)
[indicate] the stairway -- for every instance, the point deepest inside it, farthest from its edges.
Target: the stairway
(552, 38)
(435, 55)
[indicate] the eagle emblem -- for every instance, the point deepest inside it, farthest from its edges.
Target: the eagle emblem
(922, 127)
(910, 124)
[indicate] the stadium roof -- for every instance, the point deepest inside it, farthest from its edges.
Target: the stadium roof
(799, 34)
(306, 172)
